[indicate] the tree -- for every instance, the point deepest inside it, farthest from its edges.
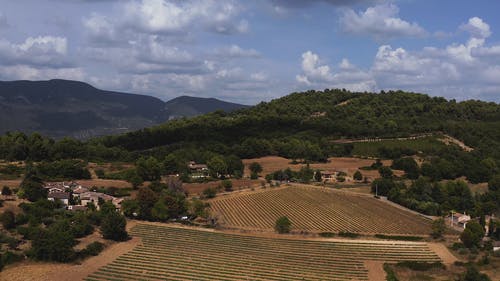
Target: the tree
(382, 186)
(160, 211)
(217, 167)
(130, 208)
(6, 190)
(317, 176)
(255, 168)
(198, 208)
(146, 199)
(32, 188)
(407, 164)
(472, 235)
(385, 172)
(494, 183)
(357, 176)
(283, 225)
(227, 185)
(149, 169)
(235, 166)
(306, 174)
(8, 219)
(209, 192)
(113, 227)
(472, 274)
(54, 244)
(438, 228)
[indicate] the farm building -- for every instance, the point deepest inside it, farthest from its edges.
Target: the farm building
(198, 170)
(62, 196)
(459, 220)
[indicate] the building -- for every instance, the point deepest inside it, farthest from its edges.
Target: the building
(61, 196)
(198, 170)
(460, 220)
(75, 208)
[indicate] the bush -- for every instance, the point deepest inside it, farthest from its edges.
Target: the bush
(420, 266)
(438, 228)
(472, 274)
(92, 249)
(348, 234)
(6, 191)
(209, 192)
(113, 227)
(283, 225)
(391, 276)
(398, 237)
(472, 235)
(227, 185)
(8, 219)
(327, 234)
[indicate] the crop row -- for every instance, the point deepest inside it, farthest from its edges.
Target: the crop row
(316, 210)
(168, 253)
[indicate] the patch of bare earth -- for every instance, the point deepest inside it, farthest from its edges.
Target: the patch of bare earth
(375, 270)
(348, 164)
(444, 254)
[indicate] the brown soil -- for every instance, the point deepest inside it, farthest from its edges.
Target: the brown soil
(375, 270)
(349, 164)
(446, 256)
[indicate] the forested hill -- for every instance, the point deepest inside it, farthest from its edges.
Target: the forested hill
(314, 118)
(59, 108)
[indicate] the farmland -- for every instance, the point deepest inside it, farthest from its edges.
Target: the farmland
(187, 254)
(315, 209)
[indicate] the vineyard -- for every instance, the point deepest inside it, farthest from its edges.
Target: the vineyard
(169, 253)
(315, 209)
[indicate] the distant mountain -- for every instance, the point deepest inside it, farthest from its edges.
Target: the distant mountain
(61, 108)
(185, 106)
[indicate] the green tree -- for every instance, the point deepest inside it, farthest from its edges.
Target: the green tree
(385, 172)
(357, 176)
(283, 225)
(209, 192)
(130, 207)
(160, 211)
(8, 219)
(217, 167)
(255, 168)
(472, 274)
(149, 169)
(317, 176)
(235, 166)
(472, 235)
(54, 244)
(32, 188)
(438, 228)
(227, 185)
(494, 183)
(146, 199)
(113, 227)
(199, 208)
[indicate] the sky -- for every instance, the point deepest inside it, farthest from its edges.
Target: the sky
(256, 50)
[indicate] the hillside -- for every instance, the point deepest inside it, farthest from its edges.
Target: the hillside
(311, 120)
(185, 106)
(60, 108)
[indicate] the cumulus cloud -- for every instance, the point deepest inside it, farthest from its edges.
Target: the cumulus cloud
(317, 74)
(235, 51)
(42, 51)
(380, 21)
(459, 70)
(168, 16)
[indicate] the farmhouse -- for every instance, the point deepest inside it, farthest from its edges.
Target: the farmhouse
(458, 219)
(198, 170)
(62, 196)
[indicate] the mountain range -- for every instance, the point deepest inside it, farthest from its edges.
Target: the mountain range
(63, 108)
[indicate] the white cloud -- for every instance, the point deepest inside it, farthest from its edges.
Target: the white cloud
(477, 28)
(348, 76)
(26, 72)
(169, 16)
(380, 21)
(42, 50)
(459, 70)
(235, 51)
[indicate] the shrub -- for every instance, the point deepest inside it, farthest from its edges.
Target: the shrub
(391, 276)
(6, 191)
(209, 192)
(398, 237)
(113, 227)
(227, 185)
(438, 228)
(327, 234)
(283, 225)
(348, 234)
(92, 249)
(420, 266)
(8, 219)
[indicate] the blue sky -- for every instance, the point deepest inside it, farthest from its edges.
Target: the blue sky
(249, 51)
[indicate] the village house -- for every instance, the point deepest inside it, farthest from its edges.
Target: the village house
(61, 196)
(198, 170)
(459, 220)
(75, 208)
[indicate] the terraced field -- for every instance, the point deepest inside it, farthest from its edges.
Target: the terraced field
(169, 253)
(315, 209)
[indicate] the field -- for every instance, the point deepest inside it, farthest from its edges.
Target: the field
(348, 164)
(315, 209)
(169, 253)
(371, 148)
